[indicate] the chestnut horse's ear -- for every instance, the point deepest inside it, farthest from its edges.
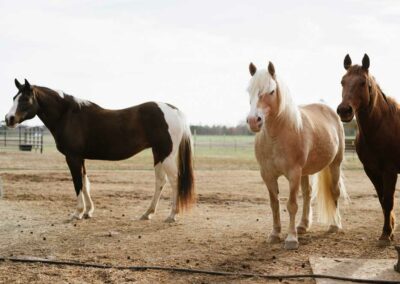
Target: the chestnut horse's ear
(17, 84)
(27, 85)
(365, 62)
(347, 62)
(271, 69)
(252, 69)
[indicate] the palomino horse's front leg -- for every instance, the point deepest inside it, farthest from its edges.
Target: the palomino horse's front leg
(160, 182)
(306, 218)
(272, 185)
(291, 241)
(76, 168)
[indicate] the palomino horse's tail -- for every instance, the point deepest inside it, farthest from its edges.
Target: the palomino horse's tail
(186, 193)
(327, 197)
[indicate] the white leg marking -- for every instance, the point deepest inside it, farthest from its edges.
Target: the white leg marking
(171, 169)
(80, 209)
(291, 241)
(160, 182)
(88, 200)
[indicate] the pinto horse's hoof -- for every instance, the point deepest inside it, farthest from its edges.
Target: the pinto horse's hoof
(291, 245)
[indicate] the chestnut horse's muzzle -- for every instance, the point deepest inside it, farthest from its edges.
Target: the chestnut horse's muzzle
(345, 112)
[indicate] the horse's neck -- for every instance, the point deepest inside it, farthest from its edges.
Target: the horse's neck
(277, 125)
(369, 119)
(51, 109)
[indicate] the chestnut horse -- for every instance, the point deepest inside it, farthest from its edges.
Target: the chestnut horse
(378, 138)
(296, 142)
(83, 130)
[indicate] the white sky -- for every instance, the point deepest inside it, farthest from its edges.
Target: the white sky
(194, 54)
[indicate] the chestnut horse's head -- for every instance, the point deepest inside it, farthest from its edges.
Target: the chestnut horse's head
(356, 84)
(263, 95)
(24, 105)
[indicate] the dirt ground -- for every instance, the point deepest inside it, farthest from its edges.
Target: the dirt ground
(227, 229)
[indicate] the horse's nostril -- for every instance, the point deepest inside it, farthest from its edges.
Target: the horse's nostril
(258, 119)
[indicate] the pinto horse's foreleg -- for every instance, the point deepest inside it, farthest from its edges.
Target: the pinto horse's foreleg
(306, 218)
(160, 182)
(389, 187)
(86, 194)
(76, 168)
(291, 241)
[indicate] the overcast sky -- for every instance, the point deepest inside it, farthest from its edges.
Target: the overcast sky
(194, 54)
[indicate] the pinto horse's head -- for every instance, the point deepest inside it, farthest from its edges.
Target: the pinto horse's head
(356, 84)
(262, 94)
(24, 106)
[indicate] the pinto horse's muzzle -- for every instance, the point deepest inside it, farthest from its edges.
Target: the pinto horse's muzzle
(345, 112)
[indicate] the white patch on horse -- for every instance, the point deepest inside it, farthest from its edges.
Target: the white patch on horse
(80, 102)
(14, 107)
(88, 200)
(80, 209)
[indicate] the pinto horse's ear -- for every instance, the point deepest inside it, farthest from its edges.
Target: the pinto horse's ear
(347, 62)
(271, 69)
(252, 69)
(365, 62)
(17, 84)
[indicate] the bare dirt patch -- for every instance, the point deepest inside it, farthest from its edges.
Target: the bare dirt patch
(227, 230)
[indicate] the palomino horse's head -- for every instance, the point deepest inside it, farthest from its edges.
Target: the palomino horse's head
(24, 107)
(263, 98)
(356, 89)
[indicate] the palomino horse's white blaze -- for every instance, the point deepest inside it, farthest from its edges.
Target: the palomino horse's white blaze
(80, 208)
(177, 128)
(88, 200)
(296, 143)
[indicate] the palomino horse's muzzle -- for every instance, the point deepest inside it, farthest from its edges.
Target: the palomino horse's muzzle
(345, 112)
(255, 123)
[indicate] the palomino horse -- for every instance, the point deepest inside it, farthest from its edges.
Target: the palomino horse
(296, 142)
(83, 130)
(378, 139)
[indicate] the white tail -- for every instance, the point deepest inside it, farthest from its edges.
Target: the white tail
(328, 210)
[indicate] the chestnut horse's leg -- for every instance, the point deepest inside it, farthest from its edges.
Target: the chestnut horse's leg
(377, 180)
(272, 185)
(75, 166)
(306, 218)
(160, 182)
(389, 187)
(291, 241)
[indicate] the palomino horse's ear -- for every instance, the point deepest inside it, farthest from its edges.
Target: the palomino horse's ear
(365, 62)
(17, 84)
(252, 69)
(347, 62)
(271, 69)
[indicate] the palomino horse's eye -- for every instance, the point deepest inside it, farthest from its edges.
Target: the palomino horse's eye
(273, 91)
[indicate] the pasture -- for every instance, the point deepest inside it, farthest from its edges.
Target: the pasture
(226, 230)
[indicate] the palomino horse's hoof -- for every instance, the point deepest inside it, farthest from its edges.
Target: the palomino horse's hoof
(333, 229)
(274, 239)
(291, 245)
(76, 216)
(301, 230)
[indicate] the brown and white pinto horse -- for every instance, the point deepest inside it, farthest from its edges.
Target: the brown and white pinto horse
(378, 138)
(83, 130)
(296, 142)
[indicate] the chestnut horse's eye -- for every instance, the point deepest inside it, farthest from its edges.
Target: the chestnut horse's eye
(362, 83)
